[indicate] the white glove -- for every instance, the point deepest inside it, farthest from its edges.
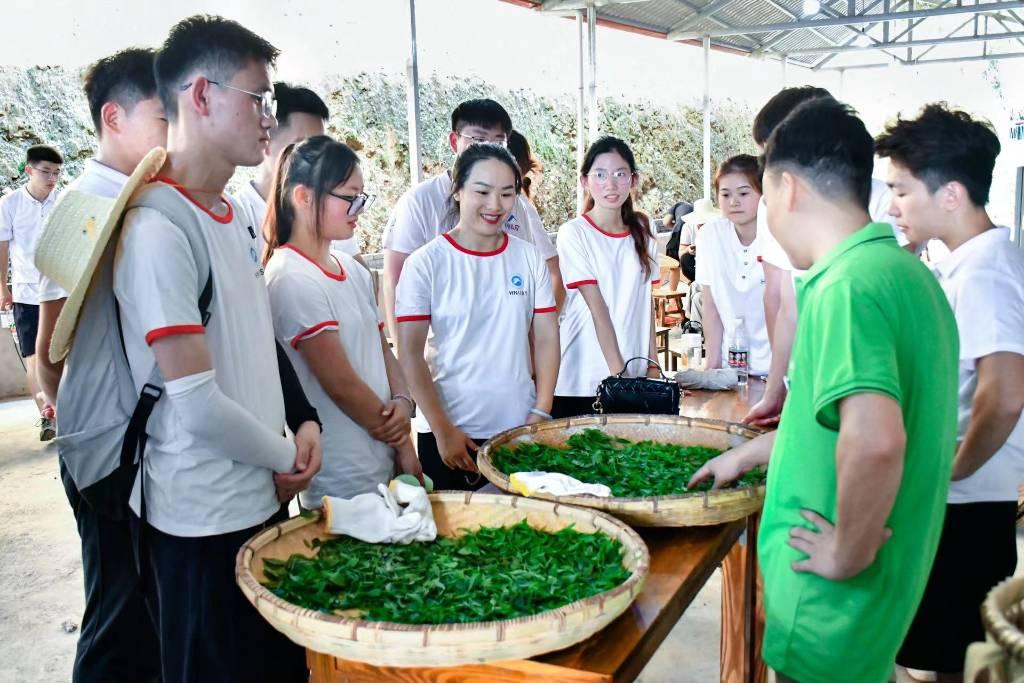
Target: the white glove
(717, 379)
(378, 517)
(555, 484)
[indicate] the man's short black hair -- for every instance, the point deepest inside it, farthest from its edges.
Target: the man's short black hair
(125, 78)
(942, 145)
(38, 153)
(219, 47)
(483, 113)
(824, 142)
(779, 107)
(297, 100)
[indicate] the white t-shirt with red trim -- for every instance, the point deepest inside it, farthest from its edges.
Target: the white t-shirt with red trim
(425, 211)
(307, 301)
(588, 255)
(192, 490)
(735, 274)
(481, 307)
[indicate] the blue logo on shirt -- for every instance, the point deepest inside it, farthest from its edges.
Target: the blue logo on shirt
(253, 255)
(517, 281)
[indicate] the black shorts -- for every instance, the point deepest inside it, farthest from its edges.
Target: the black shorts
(572, 406)
(977, 550)
(444, 477)
(26, 325)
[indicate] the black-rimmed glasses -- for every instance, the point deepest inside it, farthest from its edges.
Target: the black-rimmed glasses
(265, 100)
(500, 141)
(357, 202)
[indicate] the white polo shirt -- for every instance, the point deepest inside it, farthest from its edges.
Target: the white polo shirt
(253, 209)
(424, 212)
(878, 208)
(735, 274)
(481, 307)
(98, 179)
(191, 489)
(588, 255)
(21, 223)
(984, 281)
(306, 301)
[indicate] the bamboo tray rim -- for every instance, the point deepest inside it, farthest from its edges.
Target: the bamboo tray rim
(502, 481)
(638, 549)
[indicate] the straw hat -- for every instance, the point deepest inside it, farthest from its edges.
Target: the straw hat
(74, 239)
(704, 211)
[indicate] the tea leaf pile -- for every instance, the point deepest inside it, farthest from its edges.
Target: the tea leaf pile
(485, 575)
(630, 469)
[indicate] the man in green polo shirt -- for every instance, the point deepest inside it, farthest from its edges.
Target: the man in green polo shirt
(861, 462)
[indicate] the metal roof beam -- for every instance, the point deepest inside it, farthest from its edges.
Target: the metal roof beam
(885, 31)
(907, 43)
(562, 5)
(941, 60)
(851, 21)
(704, 13)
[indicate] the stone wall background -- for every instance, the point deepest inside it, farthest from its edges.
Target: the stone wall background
(46, 105)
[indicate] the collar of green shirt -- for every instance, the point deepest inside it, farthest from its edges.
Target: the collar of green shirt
(871, 232)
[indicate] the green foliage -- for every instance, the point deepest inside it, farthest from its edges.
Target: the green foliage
(629, 469)
(369, 113)
(486, 575)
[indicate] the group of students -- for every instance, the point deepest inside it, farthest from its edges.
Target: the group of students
(496, 327)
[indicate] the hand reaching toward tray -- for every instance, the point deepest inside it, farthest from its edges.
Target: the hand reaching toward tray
(734, 463)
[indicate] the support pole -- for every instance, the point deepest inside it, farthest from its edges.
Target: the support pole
(581, 135)
(412, 100)
(707, 116)
(593, 112)
(784, 62)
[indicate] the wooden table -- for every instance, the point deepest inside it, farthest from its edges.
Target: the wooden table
(662, 297)
(682, 560)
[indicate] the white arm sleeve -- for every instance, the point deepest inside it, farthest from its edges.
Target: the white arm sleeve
(210, 416)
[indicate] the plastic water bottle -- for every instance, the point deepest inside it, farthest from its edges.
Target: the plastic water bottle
(739, 351)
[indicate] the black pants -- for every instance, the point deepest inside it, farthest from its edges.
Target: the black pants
(688, 265)
(445, 478)
(977, 550)
(117, 641)
(572, 406)
(208, 631)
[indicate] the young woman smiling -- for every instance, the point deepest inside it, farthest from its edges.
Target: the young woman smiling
(468, 305)
(729, 269)
(609, 263)
(325, 315)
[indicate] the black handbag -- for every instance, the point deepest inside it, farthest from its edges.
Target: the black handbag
(643, 395)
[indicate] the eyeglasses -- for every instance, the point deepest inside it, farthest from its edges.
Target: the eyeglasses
(500, 141)
(265, 100)
(604, 177)
(357, 202)
(49, 174)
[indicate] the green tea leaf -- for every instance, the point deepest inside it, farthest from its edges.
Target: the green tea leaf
(483, 575)
(629, 469)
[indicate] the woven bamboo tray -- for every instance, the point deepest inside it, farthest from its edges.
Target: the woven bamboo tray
(389, 644)
(701, 508)
(1002, 655)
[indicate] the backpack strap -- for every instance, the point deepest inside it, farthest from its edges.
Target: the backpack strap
(177, 210)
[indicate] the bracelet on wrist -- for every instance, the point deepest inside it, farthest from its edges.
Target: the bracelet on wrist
(412, 404)
(540, 413)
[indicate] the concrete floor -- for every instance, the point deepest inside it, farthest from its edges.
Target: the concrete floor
(41, 574)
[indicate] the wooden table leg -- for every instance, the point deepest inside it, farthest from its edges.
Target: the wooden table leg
(742, 613)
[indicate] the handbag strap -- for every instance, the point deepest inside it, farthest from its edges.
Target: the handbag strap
(651, 362)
